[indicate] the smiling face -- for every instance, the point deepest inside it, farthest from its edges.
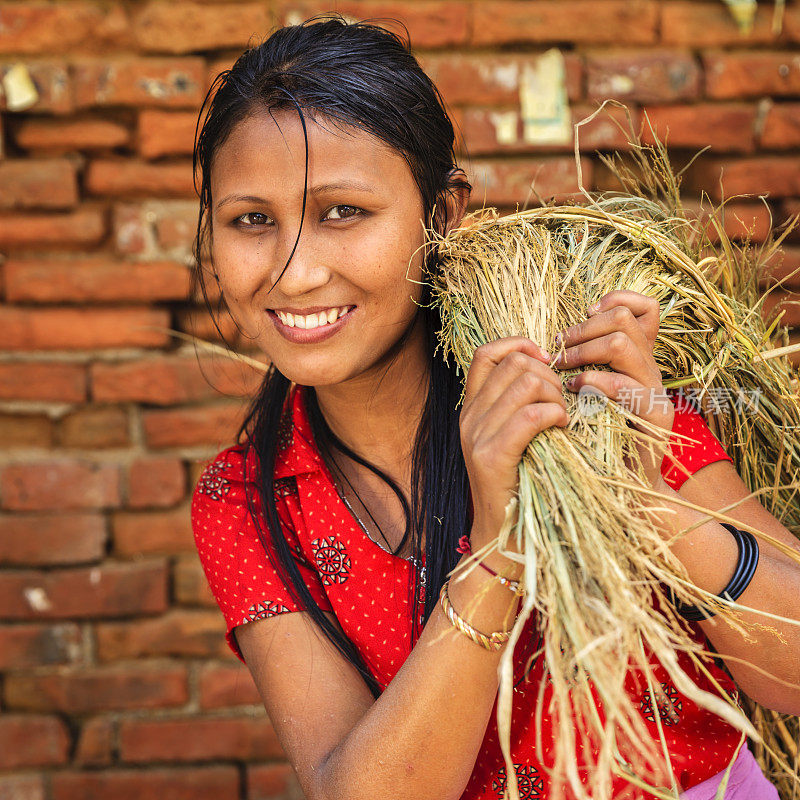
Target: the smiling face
(359, 248)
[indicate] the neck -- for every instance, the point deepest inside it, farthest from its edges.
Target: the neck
(377, 414)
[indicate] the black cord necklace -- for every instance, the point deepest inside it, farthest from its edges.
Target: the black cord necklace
(388, 547)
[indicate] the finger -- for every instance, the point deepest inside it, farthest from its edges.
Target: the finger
(617, 318)
(506, 372)
(615, 349)
(643, 400)
(489, 355)
(647, 310)
(526, 389)
(511, 439)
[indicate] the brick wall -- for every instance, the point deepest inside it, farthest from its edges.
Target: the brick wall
(114, 676)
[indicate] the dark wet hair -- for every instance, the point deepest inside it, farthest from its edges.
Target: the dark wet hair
(364, 76)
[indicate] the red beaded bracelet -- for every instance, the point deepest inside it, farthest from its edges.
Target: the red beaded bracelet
(465, 548)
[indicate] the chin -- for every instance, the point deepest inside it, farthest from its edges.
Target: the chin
(314, 375)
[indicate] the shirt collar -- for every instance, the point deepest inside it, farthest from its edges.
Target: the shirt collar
(297, 452)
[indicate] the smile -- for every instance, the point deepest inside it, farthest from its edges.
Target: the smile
(311, 329)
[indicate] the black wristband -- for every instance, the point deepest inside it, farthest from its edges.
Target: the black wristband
(742, 575)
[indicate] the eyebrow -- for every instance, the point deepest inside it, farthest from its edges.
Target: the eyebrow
(326, 187)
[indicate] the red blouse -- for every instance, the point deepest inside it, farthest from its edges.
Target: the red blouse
(366, 587)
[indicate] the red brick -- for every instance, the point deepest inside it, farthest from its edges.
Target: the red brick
(176, 230)
(43, 381)
(708, 24)
(95, 746)
(190, 783)
(165, 133)
(222, 686)
(183, 27)
(644, 76)
(93, 279)
(94, 428)
(197, 739)
(168, 380)
(789, 210)
(509, 182)
(189, 583)
(79, 329)
(26, 430)
(63, 484)
(154, 228)
(147, 532)
(111, 590)
(51, 539)
(743, 74)
(741, 220)
(22, 787)
(38, 183)
(38, 27)
(156, 482)
(125, 178)
(782, 302)
(429, 24)
(81, 227)
(131, 81)
(90, 690)
(198, 323)
(213, 425)
(785, 262)
(481, 125)
(32, 740)
(579, 21)
(778, 176)
(725, 126)
(51, 81)
(70, 134)
(781, 127)
(791, 22)
(272, 782)
(466, 78)
(25, 646)
(179, 633)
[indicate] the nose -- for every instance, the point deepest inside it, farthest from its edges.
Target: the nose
(303, 268)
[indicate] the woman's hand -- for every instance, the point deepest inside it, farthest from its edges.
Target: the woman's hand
(620, 331)
(511, 394)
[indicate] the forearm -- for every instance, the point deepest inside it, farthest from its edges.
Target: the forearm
(710, 553)
(422, 736)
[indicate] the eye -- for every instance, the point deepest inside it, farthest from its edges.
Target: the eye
(252, 224)
(342, 212)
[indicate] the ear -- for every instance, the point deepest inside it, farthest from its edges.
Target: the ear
(456, 198)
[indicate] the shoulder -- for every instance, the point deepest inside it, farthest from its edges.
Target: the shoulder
(223, 479)
(692, 444)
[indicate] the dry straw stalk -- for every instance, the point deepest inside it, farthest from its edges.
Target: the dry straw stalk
(597, 571)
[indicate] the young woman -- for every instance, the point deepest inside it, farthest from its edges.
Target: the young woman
(328, 533)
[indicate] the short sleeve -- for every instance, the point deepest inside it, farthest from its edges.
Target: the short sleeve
(691, 454)
(239, 572)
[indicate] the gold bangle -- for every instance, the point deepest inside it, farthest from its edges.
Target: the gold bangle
(492, 642)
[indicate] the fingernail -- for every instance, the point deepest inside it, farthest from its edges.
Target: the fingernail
(592, 308)
(545, 354)
(558, 340)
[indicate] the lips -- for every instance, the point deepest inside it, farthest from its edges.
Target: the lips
(311, 335)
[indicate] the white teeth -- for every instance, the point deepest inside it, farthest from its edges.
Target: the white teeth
(312, 320)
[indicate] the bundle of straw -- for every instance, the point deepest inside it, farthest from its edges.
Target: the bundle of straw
(597, 570)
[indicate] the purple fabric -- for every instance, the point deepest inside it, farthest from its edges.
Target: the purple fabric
(746, 782)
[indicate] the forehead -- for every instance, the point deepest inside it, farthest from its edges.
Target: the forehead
(267, 150)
